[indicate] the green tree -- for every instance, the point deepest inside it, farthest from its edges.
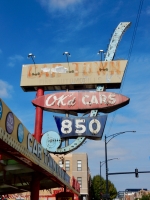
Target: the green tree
(112, 190)
(145, 197)
(98, 187)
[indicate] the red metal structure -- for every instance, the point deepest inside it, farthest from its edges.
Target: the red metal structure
(35, 186)
(38, 117)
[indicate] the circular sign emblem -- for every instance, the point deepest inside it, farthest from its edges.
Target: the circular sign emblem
(20, 133)
(9, 122)
(1, 110)
(51, 141)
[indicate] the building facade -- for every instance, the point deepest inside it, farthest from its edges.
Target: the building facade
(76, 164)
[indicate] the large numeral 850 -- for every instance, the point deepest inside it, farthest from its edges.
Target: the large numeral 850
(66, 126)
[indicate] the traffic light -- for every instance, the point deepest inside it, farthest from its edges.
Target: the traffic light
(136, 173)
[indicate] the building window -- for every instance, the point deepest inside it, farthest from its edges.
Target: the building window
(79, 165)
(79, 179)
(67, 165)
(60, 163)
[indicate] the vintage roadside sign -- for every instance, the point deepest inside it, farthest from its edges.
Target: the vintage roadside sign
(89, 127)
(18, 142)
(51, 142)
(73, 76)
(81, 101)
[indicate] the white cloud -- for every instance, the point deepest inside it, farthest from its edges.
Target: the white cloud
(118, 7)
(13, 60)
(58, 4)
(5, 89)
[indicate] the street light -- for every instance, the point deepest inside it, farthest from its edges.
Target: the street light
(106, 161)
(101, 52)
(101, 164)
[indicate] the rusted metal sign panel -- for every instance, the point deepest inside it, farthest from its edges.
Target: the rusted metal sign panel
(77, 75)
(89, 127)
(81, 101)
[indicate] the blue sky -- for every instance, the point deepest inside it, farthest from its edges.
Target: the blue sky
(47, 28)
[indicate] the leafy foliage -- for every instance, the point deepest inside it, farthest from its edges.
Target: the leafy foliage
(145, 197)
(98, 188)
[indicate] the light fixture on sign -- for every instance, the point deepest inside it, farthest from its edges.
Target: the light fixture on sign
(101, 52)
(67, 55)
(30, 55)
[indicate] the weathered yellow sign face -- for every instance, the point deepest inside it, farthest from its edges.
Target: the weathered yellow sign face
(22, 145)
(77, 75)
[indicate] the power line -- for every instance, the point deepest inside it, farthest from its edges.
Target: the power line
(129, 54)
(132, 40)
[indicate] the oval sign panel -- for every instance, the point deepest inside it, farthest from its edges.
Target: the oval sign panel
(81, 102)
(20, 133)
(9, 123)
(1, 109)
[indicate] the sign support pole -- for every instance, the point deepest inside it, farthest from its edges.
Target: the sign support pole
(67, 140)
(35, 187)
(38, 117)
(35, 183)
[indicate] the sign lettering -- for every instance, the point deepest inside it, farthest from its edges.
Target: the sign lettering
(90, 127)
(85, 74)
(81, 101)
(53, 70)
(34, 147)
